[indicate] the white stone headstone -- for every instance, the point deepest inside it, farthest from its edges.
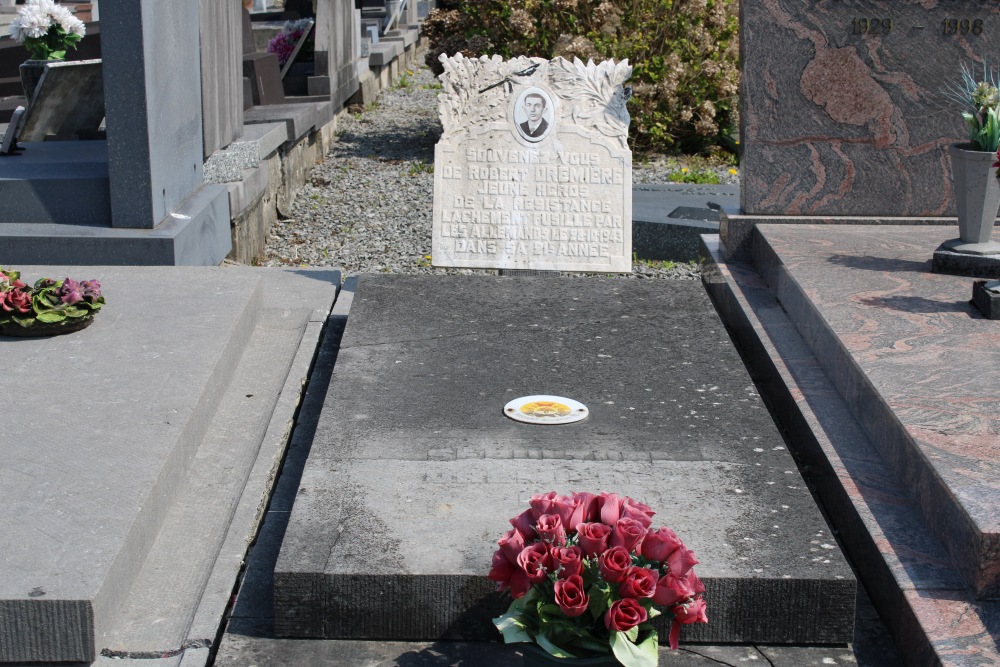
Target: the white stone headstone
(533, 170)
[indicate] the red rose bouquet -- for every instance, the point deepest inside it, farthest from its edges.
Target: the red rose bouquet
(588, 572)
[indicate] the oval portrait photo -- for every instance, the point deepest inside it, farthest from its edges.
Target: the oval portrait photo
(533, 114)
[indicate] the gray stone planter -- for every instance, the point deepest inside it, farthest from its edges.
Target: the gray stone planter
(977, 195)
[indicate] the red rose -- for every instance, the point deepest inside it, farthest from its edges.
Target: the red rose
(508, 576)
(542, 503)
(660, 543)
(613, 564)
(519, 584)
(570, 597)
(587, 508)
(681, 560)
(568, 561)
(693, 612)
(565, 507)
(671, 589)
(641, 512)
(638, 582)
(524, 523)
(611, 508)
(535, 562)
(511, 544)
(550, 530)
(15, 301)
(593, 538)
(627, 533)
(624, 615)
(502, 569)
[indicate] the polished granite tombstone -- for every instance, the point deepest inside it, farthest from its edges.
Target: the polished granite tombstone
(842, 108)
(884, 376)
(415, 470)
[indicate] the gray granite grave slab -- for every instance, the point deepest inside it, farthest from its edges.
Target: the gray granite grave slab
(668, 219)
(383, 53)
(299, 119)
(533, 169)
(269, 136)
(841, 108)
(125, 531)
(390, 535)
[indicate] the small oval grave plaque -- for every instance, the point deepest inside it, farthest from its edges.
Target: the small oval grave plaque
(546, 410)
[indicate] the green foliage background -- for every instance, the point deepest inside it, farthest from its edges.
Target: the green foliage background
(684, 53)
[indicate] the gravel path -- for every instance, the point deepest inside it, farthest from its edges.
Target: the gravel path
(368, 206)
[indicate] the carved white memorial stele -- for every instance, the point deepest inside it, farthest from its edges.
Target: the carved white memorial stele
(533, 170)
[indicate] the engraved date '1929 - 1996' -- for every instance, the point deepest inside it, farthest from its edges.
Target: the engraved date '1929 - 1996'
(864, 25)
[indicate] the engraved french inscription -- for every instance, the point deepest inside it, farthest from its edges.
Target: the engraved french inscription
(534, 173)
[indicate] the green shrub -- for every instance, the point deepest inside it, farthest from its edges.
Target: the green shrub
(684, 54)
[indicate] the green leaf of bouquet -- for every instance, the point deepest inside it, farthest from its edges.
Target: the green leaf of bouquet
(547, 644)
(512, 626)
(73, 311)
(50, 316)
(592, 644)
(632, 633)
(631, 655)
(599, 598)
(653, 612)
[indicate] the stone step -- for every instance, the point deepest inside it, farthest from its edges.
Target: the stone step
(153, 390)
(414, 469)
(914, 361)
(930, 612)
(54, 181)
(197, 234)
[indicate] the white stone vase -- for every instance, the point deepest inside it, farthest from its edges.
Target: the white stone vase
(977, 192)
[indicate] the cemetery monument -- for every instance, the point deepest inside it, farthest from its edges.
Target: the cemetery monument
(533, 170)
(843, 117)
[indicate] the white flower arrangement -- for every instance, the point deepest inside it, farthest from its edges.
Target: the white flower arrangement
(46, 29)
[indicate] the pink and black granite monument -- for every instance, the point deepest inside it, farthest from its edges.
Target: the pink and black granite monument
(843, 119)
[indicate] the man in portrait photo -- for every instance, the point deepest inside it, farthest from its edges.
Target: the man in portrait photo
(535, 126)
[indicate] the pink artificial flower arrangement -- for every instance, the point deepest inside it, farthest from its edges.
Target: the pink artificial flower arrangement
(283, 44)
(49, 302)
(588, 572)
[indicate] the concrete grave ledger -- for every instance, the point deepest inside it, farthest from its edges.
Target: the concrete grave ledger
(842, 108)
(533, 170)
(415, 470)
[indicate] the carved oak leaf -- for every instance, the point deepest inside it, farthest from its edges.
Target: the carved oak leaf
(596, 93)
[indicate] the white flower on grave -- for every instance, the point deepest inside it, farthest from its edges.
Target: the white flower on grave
(68, 22)
(46, 29)
(32, 21)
